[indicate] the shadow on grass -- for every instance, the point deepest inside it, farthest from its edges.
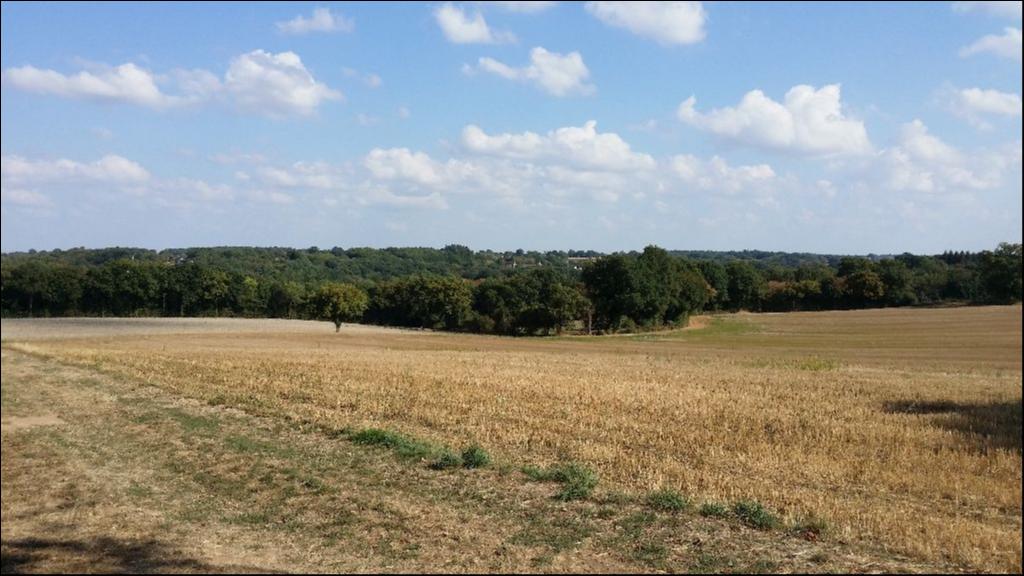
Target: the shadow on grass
(101, 554)
(994, 424)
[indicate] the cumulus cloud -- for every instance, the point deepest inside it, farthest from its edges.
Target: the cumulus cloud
(1007, 45)
(976, 105)
(260, 82)
(125, 83)
(322, 20)
(581, 146)
(404, 164)
(715, 175)
(1011, 9)
(556, 74)
(111, 168)
(24, 198)
(462, 29)
(664, 22)
(991, 102)
(922, 162)
(809, 121)
(275, 84)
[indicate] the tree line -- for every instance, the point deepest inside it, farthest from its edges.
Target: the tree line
(516, 293)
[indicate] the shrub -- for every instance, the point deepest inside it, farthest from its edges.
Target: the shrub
(577, 481)
(475, 457)
(755, 515)
(446, 460)
(667, 500)
(402, 445)
(714, 510)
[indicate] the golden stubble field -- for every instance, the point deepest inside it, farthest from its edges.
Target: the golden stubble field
(901, 428)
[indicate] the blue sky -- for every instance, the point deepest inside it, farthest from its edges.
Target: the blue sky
(832, 127)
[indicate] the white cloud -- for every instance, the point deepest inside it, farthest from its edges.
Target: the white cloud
(922, 162)
(556, 74)
(809, 121)
(315, 175)
(275, 84)
(715, 175)
(1008, 45)
(991, 102)
(25, 198)
(381, 195)
(403, 164)
(124, 83)
(581, 146)
(322, 20)
(1003, 9)
(665, 22)
(110, 168)
(524, 7)
(461, 29)
(271, 84)
(975, 104)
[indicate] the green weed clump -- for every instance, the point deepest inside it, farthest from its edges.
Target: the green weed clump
(402, 445)
(446, 461)
(755, 515)
(714, 510)
(577, 481)
(475, 457)
(667, 500)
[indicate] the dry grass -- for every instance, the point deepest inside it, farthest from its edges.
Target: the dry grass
(901, 428)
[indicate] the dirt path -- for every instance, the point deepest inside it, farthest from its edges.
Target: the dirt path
(102, 475)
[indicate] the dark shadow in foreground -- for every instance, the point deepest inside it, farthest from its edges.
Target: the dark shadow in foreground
(102, 554)
(993, 425)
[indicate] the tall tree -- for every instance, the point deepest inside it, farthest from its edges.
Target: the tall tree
(338, 303)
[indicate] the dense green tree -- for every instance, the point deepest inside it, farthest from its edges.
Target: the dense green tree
(522, 292)
(285, 299)
(612, 288)
(1000, 273)
(864, 288)
(898, 282)
(437, 302)
(250, 299)
(715, 275)
(338, 303)
(122, 287)
(746, 286)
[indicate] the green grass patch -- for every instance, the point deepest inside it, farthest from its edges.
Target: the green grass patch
(755, 515)
(667, 500)
(402, 445)
(475, 457)
(446, 461)
(714, 510)
(577, 481)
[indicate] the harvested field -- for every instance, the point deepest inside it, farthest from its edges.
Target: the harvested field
(900, 429)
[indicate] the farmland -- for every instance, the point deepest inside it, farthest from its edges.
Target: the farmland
(898, 430)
